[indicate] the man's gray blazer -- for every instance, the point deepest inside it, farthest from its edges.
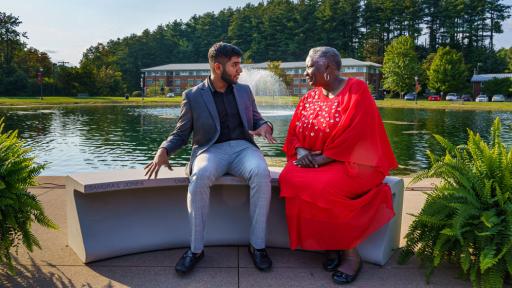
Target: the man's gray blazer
(199, 117)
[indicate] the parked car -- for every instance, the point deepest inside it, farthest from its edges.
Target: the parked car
(498, 98)
(466, 97)
(452, 97)
(170, 95)
(482, 98)
(434, 98)
(410, 96)
(378, 96)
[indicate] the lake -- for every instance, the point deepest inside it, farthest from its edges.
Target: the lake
(91, 138)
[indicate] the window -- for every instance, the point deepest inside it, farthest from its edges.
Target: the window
(177, 90)
(303, 90)
(149, 82)
(296, 81)
(177, 82)
(190, 82)
(295, 91)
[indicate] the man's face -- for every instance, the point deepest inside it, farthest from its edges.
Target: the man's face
(315, 71)
(230, 72)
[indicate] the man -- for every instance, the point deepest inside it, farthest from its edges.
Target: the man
(223, 118)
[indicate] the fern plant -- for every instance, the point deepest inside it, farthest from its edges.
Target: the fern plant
(18, 207)
(467, 219)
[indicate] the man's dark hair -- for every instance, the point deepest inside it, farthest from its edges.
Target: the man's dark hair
(222, 52)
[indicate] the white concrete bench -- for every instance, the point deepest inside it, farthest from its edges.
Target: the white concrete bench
(114, 213)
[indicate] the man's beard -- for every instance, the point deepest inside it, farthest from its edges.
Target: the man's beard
(227, 78)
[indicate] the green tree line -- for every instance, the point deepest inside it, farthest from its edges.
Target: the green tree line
(273, 30)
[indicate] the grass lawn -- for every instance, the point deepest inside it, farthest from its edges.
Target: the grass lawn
(64, 100)
(452, 105)
(261, 100)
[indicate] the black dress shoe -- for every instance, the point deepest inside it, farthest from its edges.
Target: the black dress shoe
(333, 261)
(343, 278)
(260, 258)
(188, 261)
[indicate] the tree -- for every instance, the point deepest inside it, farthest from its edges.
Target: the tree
(10, 38)
(506, 56)
(12, 80)
(427, 63)
(496, 14)
(401, 65)
(448, 73)
(498, 86)
(275, 67)
(339, 23)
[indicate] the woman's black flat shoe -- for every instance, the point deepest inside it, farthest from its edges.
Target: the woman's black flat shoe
(342, 278)
(332, 263)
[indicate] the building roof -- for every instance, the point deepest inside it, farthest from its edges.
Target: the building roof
(285, 65)
(487, 77)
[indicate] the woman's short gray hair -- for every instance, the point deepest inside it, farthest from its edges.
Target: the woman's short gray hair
(328, 54)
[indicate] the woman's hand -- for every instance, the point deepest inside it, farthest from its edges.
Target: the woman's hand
(321, 159)
(301, 151)
(309, 159)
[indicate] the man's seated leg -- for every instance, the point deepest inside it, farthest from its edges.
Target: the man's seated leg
(207, 167)
(250, 164)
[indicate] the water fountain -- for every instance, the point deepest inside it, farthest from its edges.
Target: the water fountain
(270, 91)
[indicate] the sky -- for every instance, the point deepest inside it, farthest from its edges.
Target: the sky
(66, 28)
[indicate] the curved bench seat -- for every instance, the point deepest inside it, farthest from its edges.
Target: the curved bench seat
(119, 212)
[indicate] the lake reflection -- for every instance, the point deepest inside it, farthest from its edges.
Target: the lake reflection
(90, 138)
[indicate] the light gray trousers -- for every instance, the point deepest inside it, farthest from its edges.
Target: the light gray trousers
(238, 158)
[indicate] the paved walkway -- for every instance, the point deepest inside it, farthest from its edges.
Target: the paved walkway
(57, 265)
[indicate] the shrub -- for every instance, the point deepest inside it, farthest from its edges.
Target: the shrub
(467, 219)
(18, 207)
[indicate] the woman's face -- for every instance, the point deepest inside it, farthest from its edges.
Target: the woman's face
(315, 71)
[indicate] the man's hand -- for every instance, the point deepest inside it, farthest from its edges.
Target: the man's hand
(161, 159)
(264, 131)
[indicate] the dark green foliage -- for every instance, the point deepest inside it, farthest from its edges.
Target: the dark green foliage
(274, 30)
(447, 73)
(498, 86)
(467, 219)
(275, 67)
(18, 207)
(401, 65)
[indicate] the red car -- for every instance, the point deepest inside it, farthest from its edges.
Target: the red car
(434, 98)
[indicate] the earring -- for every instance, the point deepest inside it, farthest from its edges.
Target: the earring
(327, 77)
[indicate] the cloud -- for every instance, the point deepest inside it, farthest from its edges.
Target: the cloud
(48, 51)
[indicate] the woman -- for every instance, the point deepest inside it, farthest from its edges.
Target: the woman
(338, 155)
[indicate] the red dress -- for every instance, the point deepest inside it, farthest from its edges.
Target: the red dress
(336, 206)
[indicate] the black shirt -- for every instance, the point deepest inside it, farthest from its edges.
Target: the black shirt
(231, 125)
